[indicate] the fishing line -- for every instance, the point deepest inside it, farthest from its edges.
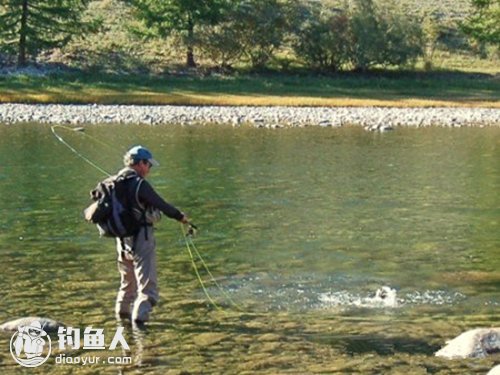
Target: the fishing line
(228, 297)
(187, 237)
(84, 158)
(197, 272)
(82, 131)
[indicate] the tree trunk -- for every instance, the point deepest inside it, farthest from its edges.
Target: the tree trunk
(21, 57)
(190, 41)
(190, 58)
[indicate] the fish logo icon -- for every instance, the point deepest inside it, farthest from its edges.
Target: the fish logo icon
(30, 345)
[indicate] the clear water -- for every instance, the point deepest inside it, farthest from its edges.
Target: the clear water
(299, 226)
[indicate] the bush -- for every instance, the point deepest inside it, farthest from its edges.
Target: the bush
(403, 38)
(323, 40)
(262, 25)
(253, 30)
(119, 46)
(221, 44)
(383, 36)
(367, 37)
(6, 60)
(361, 37)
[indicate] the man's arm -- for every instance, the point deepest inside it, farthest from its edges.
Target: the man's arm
(149, 196)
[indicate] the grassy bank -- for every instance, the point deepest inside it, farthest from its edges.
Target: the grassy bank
(381, 89)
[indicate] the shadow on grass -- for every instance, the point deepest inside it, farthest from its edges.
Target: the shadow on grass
(378, 85)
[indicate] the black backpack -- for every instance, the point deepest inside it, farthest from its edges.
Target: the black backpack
(115, 208)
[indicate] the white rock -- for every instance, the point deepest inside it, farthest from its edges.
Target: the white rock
(476, 343)
(48, 325)
(494, 371)
(372, 118)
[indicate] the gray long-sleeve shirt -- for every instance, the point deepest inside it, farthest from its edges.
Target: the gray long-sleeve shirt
(147, 195)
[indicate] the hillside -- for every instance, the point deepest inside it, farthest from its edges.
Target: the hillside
(117, 48)
(456, 75)
(444, 10)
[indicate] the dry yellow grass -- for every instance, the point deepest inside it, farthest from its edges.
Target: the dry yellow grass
(389, 89)
(152, 98)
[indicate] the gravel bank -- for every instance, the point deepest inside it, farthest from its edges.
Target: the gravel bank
(371, 118)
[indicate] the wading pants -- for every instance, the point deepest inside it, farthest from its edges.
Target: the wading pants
(138, 291)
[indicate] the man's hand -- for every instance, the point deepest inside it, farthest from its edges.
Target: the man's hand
(185, 219)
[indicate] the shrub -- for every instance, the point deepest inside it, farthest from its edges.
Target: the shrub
(383, 36)
(366, 35)
(403, 38)
(262, 25)
(252, 30)
(361, 37)
(322, 40)
(221, 44)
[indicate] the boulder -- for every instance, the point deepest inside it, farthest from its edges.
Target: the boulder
(48, 325)
(476, 343)
(494, 371)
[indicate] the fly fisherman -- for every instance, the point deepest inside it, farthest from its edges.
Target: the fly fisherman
(138, 291)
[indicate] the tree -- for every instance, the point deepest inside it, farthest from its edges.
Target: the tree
(262, 25)
(431, 33)
(403, 37)
(484, 22)
(323, 39)
(221, 43)
(383, 35)
(367, 35)
(162, 17)
(251, 30)
(30, 26)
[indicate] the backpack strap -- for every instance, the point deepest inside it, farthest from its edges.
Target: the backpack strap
(142, 207)
(139, 183)
(131, 174)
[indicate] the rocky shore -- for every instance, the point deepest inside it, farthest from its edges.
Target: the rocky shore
(371, 118)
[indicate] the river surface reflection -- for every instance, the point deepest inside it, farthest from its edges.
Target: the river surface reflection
(300, 227)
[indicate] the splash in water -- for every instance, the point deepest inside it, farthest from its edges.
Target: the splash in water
(387, 297)
(384, 296)
(306, 293)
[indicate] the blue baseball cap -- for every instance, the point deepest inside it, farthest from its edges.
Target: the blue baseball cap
(138, 153)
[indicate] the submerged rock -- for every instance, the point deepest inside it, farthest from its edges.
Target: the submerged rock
(380, 127)
(476, 343)
(494, 371)
(48, 325)
(209, 338)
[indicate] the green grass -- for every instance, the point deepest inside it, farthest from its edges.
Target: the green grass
(382, 88)
(460, 79)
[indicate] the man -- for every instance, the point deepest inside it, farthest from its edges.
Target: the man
(30, 340)
(138, 291)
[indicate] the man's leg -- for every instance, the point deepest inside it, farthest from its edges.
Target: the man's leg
(145, 273)
(127, 292)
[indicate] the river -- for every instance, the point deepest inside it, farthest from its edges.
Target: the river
(299, 227)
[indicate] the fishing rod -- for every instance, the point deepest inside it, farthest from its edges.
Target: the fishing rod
(188, 236)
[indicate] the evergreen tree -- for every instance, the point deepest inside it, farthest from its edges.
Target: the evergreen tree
(162, 17)
(484, 23)
(28, 27)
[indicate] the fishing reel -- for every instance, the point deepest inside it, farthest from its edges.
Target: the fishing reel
(191, 230)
